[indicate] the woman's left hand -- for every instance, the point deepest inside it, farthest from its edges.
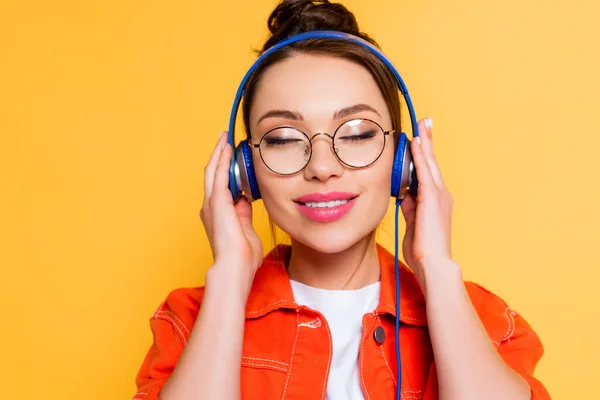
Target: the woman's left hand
(429, 216)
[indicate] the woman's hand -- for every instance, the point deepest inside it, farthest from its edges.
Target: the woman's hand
(232, 238)
(429, 217)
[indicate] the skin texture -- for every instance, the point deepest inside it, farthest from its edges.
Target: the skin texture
(336, 255)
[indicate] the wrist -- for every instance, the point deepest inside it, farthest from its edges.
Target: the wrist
(437, 275)
(232, 280)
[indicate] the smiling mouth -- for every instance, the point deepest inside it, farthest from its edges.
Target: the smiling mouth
(325, 204)
(325, 208)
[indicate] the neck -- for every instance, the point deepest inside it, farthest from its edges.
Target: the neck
(353, 268)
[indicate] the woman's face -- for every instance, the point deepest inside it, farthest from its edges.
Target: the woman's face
(312, 89)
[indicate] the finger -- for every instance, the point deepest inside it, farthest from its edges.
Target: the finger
(424, 175)
(409, 209)
(221, 182)
(209, 170)
(244, 211)
(425, 133)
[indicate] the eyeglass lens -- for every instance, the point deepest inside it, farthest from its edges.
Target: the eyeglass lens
(356, 143)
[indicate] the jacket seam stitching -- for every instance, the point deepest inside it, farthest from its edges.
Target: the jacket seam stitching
(266, 359)
(178, 321)
(329, 343)
(384, 357)
(412, 394)
(246, 363)
(362, 358)
(403, 316)
(510, 330)
(159, 309)
(268, 307)
(172, 322)
(287, 380)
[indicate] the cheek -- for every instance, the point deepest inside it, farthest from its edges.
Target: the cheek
(379, 186)
(382, 174)
(274, 189)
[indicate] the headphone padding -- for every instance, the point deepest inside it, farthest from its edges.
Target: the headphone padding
(397, 166)
(249, 166)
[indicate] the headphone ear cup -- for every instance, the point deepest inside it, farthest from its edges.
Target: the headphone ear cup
(245, 171)
(397, 166)
(404, 174)
(414, 182)
(234, 176)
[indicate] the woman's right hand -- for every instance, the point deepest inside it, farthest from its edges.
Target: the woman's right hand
(232, 238)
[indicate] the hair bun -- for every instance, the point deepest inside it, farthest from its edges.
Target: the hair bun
(291, 17)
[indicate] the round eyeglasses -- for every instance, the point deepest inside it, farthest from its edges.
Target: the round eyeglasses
(357, 143)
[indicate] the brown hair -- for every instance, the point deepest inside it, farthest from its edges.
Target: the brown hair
(291, 17)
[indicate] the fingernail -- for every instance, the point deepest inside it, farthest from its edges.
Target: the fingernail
(418, 140)
(429, 123)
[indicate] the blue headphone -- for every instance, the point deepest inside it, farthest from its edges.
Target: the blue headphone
(241, 171)
(242, 179)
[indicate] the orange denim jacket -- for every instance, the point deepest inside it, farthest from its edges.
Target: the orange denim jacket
(287, 348)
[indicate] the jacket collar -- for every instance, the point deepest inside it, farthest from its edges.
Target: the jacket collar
(272, 289)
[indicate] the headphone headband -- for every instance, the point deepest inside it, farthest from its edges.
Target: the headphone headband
(304, 36)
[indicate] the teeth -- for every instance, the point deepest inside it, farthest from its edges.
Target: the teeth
(324, 204)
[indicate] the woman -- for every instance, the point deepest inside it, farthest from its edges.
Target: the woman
(316, 319)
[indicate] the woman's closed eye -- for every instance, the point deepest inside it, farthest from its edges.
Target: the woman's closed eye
(366, 135)
(275, 141)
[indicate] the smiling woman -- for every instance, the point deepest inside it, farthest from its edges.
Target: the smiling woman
(326, 91)
(317, 322)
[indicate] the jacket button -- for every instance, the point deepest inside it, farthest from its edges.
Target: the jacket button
(379, 335)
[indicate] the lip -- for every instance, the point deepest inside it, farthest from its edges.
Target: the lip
(330, 196)
(325, 214)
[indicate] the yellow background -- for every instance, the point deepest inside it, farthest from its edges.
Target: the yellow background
(109, 111)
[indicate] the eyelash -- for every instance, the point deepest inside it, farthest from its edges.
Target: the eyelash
(276, 141)
(362, 136)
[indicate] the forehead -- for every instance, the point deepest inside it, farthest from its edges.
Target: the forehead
(316, 86)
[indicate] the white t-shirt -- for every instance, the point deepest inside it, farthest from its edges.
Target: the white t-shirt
(343, 310)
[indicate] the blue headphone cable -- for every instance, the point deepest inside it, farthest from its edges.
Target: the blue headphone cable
(398, 362)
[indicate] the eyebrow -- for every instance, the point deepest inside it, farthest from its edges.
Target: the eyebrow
(297, 116)
(355, 109)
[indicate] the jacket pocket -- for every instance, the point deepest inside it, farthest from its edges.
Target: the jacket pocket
(263, 378)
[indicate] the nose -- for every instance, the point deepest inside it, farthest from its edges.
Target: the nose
(323, 163)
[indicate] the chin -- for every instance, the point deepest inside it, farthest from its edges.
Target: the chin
(328, 238)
